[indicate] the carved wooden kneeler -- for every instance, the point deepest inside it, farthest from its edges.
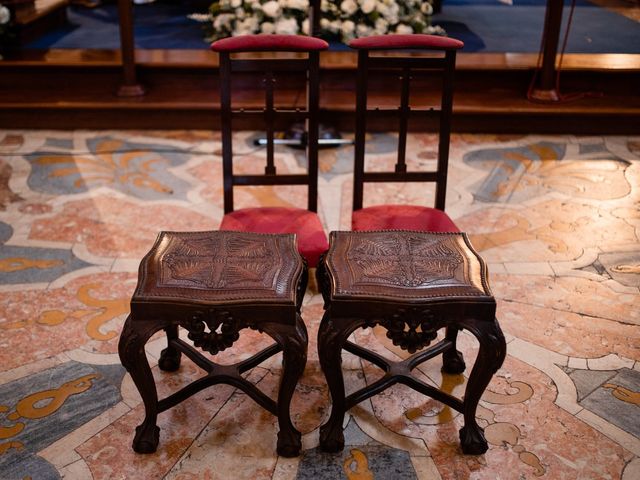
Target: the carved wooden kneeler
(215, 284)
(412, 284)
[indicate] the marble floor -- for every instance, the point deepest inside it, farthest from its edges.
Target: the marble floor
(557, 218)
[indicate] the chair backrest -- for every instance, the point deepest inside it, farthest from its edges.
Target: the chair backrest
(408, 64)
(272, 69)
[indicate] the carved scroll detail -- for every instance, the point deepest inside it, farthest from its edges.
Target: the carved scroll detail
(410, 328)
(213, 330)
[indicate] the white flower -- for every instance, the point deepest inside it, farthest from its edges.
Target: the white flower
(368, 6)
(297, 4)
(381, 27)
(363, 30)
(246, 27)
(198, 17)
(347, 27)
(235, 3)
(391, 14)
(404, 29)
(435, 30)
(305, 26)
(271, 8)
(426, 8)
(287, 26)
(223, 21)
(5, 15)
(267, 27)
(240, 13)
(349, 7)
(328, 6)
(334, 26)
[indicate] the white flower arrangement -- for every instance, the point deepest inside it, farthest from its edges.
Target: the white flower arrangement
(341, 20)
(348, 19)
(5, 18)
(242, 17)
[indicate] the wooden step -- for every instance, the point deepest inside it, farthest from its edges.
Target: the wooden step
(33, 19)
(78, 89)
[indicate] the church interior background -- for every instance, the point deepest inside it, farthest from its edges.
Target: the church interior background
(549, 195)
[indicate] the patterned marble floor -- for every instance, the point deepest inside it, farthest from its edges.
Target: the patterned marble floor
(556, 217)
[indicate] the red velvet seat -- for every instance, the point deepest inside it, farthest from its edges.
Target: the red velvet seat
(404, 217)
(406, 42)
(310, 235)
(269, 43)
(312, 240)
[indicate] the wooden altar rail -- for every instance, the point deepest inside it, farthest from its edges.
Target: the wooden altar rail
(77, 89)
(544, 91)
(330, 60)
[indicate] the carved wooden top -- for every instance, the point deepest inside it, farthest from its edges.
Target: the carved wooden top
(404, 266)
(220, 267)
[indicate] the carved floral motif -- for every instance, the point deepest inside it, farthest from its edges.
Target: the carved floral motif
(214, 262)
(222, 330)
(404, 261)
(410, 328)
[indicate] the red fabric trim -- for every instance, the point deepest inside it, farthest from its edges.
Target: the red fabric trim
(396, 41)
(310, 235)
(269, 43)
(402, 217)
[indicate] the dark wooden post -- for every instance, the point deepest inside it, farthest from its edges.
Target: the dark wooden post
(314, 18)
(545, 90)
(130, 86)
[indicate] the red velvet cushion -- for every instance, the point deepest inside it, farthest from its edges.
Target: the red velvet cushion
(395, 41)
(402, 217)
(312, 241)
(269, 43)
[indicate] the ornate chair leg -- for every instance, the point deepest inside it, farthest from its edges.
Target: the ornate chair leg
(452, 359)
(330, 342)
(170, 357)
(132, 355)
(490, 357)
(293, 341)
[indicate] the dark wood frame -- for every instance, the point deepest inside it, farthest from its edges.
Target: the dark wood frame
(545, 90)
(408, 66)
(162, 309)
(270, 67)
(344, 315)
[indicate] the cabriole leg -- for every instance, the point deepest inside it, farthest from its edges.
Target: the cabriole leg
(492, 352)
(293, 341)
(452, 359)
(330, 343)
(132, 355)
(170, 357)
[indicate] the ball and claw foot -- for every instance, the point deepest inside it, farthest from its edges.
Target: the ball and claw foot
(331, 443)
(472, 441)
(146, 438)
(169, 360)
(453, 362)
(289, 447)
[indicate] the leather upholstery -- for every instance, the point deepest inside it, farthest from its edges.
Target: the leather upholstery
(404, 266)
(220, 268)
